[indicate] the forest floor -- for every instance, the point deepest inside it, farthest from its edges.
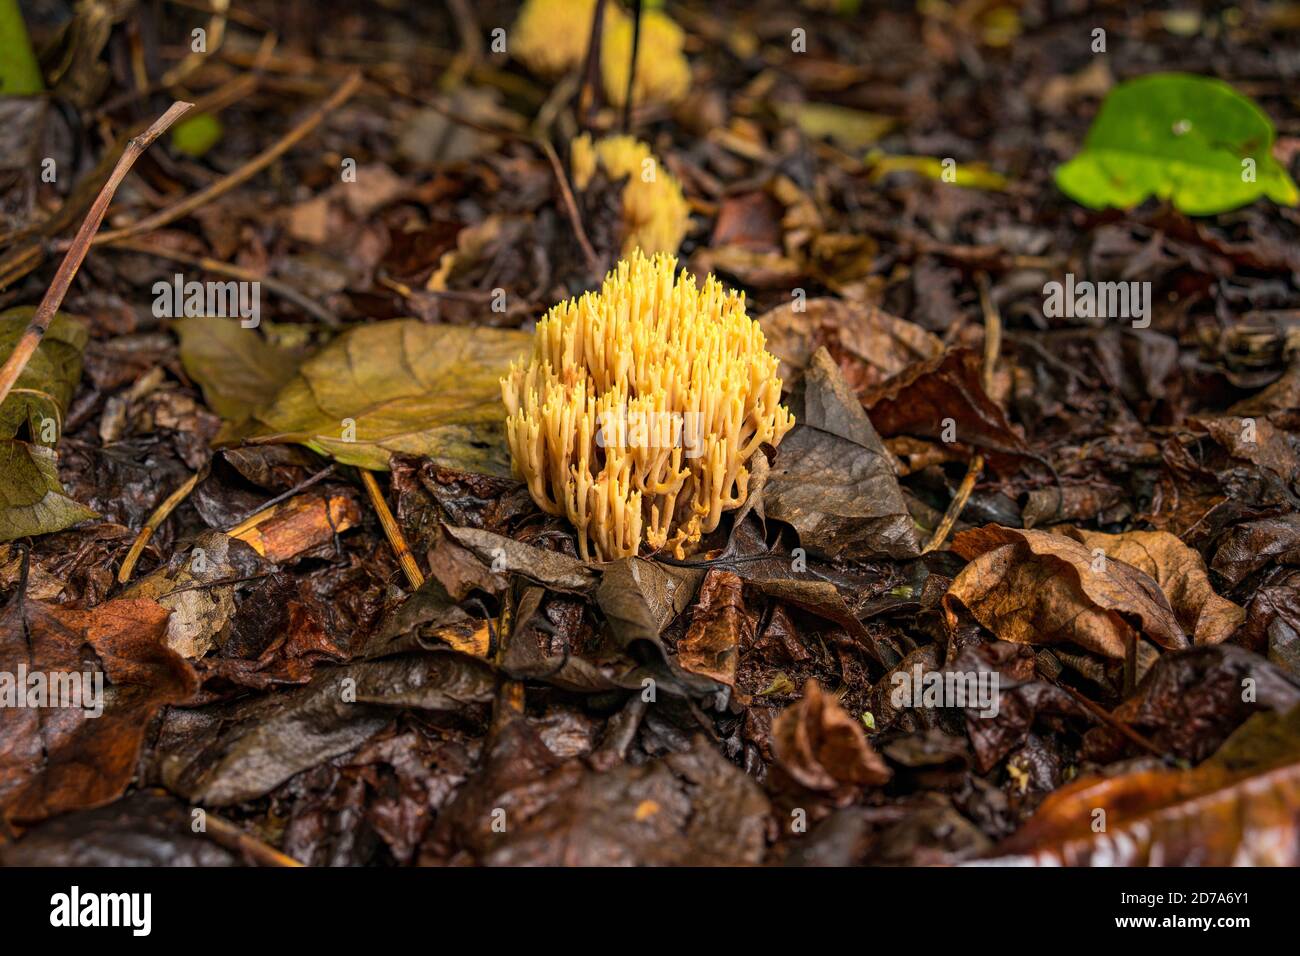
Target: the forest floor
(1120, 592)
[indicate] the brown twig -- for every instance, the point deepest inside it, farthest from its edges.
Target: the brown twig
(957, 505)
(77, 249)
(571, 207)
(1109, 720)
(233, 838)
(589, 91)
(395, 537)
(150, 526)
(301, 486)
(241, 175)
(992, 331)
(283, 290)
(992, 347)
(216, 33)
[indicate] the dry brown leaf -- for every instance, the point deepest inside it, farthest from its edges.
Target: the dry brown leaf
(718, 628)
(820, 746)
(55, 759)
(867, 343)
(1180, 572)
(1033, 587)
(1240, 808)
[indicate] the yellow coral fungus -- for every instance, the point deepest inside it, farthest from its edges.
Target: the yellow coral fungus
(640, 408)
(550, 36)
(655, 213)
(663, 74)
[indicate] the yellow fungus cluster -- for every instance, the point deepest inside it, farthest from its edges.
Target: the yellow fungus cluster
(663, 74)
(550, 37)
(656, 215)
(641, 406)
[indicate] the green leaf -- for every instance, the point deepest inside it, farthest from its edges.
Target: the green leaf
(19, 72)
(1178, 137)
(431, 390)
(45, 386)
(31, 499)
(197, 134)
(238, 370)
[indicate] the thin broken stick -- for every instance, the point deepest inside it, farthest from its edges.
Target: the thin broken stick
(77, 249)
(155, 520)
(241, 175)
(395, 537)
(992, 346)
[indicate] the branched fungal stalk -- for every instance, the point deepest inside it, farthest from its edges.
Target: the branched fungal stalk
(640, 407)
(656, 215)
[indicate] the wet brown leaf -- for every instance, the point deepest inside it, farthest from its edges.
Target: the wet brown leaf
(1238, 809)
(1033, 587)
(1180, 572)
(822, 747)
(719, 626)
(54, 759)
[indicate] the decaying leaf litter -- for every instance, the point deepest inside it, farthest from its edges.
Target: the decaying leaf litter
(460, 687)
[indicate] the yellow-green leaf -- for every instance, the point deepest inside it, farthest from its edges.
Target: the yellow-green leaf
(402, 386)
(238, 370)
(32, 500)
(41, 395)
(852, 129)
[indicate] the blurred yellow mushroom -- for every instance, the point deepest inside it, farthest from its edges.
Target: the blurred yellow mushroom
(656, 215)
(641, 406)
(663, 74)
(550, 36)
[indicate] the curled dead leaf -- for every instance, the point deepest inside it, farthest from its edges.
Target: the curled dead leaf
(1180, 572)
(1033, 587)
(820, 746)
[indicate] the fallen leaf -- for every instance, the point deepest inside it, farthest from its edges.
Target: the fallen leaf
(402, 386)
(944, 399)
(45, 386)
(823, 748)
(1190, 701)
(193, 586)
(867, 343)
(1034, 587)
(237, 368)
(1237, 809)
(1179, 571)
(32, 501)
(719, 627)
(852, 129)
(1252, 545)
(686, 809)
(55, 759)
(145, 828)
(832, 479)
(228, 753)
